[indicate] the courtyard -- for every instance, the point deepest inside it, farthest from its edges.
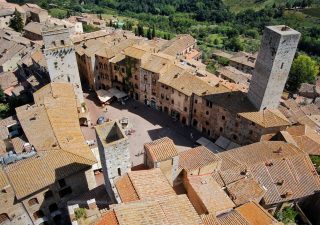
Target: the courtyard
(147, 125)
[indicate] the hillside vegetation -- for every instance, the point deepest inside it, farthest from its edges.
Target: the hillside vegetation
(225, 24)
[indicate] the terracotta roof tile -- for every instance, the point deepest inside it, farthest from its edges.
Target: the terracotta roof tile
(209, 192)
(175, 209)
(178, 44)
(245, 190)
(198, 157)
(306, 138)
(60, 145)
(108, 218)
(284, 170)
(267, 118)
(256, 215)
(3, 179)
(161, 149)
(125, 189)
(150, 184)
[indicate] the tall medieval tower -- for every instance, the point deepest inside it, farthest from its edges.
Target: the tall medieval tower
(277, 50)
(61, 59)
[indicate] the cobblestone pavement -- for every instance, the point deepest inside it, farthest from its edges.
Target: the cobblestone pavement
(148, 124)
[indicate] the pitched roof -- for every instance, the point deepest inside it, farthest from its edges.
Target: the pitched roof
(248, 214)
(211, 195)
(61, 148)
(187, 83)
(178, 44)
(244, 58)
(245, 190)
(34, 27)
(125, 189)
(157, 63)
(161, 149)
(3, 179)
(108, 218)
(283, 169)
(175, 209)
(254, 214)
(7, 80)
(266, 118)
(135, 52)
(144, 185)
(196, 158)
(306, 138)
(30, 175)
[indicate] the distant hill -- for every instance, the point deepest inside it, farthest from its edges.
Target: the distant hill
(236, 6)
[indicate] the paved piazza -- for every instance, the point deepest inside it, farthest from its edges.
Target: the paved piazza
(148, 124)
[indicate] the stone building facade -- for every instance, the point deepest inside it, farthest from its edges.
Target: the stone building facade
(163, 154)
(114, 154)
(11, 212)
(278, 47)
(61, 59)
(48, 205)
(194, 97)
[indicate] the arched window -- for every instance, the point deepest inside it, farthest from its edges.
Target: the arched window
(33, 201)
(4, 218)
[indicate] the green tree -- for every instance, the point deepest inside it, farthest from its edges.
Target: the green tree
(303, 70)
(149, 34)
(2, 95)
(234, 44)
(153, 32)
(4, 109)
(140, 30)
(16, 21)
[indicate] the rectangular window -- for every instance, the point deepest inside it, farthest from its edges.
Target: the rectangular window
(62, 183)
(64, 192)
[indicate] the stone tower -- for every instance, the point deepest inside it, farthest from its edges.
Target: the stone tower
(60, 56)
(277, 50)
(114, 155)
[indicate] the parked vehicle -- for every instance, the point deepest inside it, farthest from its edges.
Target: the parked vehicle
(101, 120)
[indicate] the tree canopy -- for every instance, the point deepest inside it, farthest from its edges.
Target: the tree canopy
(303, 70)
(16, 21)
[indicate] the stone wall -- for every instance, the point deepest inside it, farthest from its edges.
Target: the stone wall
(278, 47)
(61, 59)
(14, 210)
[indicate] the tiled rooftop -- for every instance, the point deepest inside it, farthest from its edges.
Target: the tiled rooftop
(144, 185)
(245, 190)
(210, 194)
(284, 170)
(61, 148)
(266, 118)
(197, 158)
(161, 149)
(175, 209)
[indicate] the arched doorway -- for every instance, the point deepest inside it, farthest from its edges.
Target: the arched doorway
(184, 121)
(195, 123)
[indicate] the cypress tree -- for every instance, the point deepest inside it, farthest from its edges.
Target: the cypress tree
(149, 34)
(153, 32)
(16, 21)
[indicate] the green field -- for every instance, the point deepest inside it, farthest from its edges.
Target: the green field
(236, 6)
(315, 12)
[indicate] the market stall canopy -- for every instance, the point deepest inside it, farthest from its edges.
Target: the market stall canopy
(105, 96)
